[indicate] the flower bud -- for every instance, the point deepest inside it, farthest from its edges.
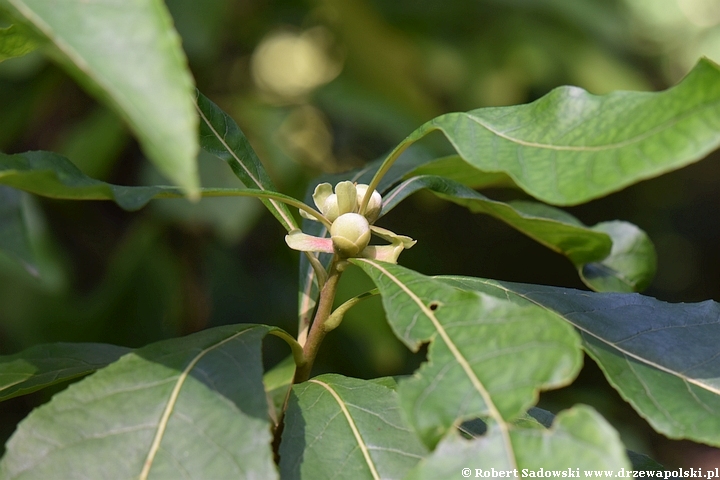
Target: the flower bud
(330, 208)
(372, 212)
(350, 234)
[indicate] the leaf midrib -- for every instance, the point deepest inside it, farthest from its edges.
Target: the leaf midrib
(290, 222)
(598, 148)
(353, 427)
(461, 360)
(164, 419)
(635, 356)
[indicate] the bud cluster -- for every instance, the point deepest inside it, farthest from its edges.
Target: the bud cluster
(350, 229)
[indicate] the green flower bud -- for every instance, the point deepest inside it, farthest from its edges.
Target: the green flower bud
(372, 212)
(350, 234)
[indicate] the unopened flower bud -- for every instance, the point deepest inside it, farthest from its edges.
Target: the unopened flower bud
(330, 208)
(372, 212)
(350, 234)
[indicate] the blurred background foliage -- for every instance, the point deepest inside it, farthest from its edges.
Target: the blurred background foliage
(326, 86)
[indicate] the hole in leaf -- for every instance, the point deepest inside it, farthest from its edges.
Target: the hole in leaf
(434, 305)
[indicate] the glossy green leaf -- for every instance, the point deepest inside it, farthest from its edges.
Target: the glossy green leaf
(191, 407)
(570, 146)
(579, 440)
(221, 136)
(16, 41)
(44, 365)
(129, 54)
(662, 357)
(612, 256)
(52, 175)
(14, 239)
(487, 357)
(338, 427)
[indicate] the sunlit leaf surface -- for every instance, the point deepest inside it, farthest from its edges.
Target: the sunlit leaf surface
(579, 440)
(128, 53)
(488, 356)
(191, 407)
(570, 146)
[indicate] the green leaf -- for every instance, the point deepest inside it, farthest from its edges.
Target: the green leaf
(44, 365)
(16, 41)
(539, 418)
(128, 54)
(570, 146)
(662, 357)
(221, 136)
(580, 439)
(631, 265)
(553, 228)
(52, 175)
(339, 427)
(487, 357)
(191, 407)
(453, 167)
(612, 256)
(14, 239)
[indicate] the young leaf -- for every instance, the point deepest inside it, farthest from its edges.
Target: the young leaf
(487, 357)
(221, 136)
(129, 55)
(662, 358)
(339, 427)
(14, 238)
(580, 439)
(570, 146)
(191, 407)
(44, 365)
(52, 175)
(611, 256)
